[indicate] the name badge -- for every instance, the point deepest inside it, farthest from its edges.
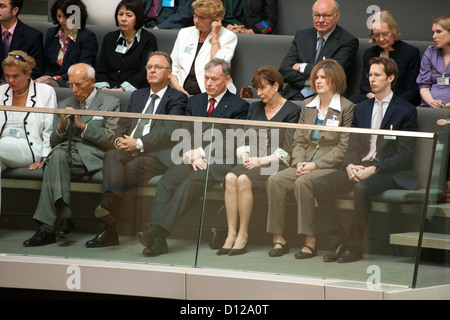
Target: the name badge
(332, 122)
(15, 133)
(121, 49)
(443, 81)
(168, 3)
(188, 50)
(390, 137)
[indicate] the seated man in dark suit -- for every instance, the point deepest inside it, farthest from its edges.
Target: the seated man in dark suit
(372, 163)
(142, 146)
(325, 40)
(183, 183)
(79, 144)
(161, 14)
(16, 35)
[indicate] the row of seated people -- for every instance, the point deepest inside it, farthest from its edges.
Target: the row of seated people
(422, 81)
(315, 164)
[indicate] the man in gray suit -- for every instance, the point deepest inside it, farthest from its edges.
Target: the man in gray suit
(325, 40)
(79, 143)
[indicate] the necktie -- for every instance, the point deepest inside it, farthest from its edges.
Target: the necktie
(373, 140)
(320, 42)
(83, 105)
(212, 101)
(6, 38)
(153, 9)
(142, 122)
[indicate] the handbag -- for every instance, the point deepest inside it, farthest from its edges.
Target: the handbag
(217, 234)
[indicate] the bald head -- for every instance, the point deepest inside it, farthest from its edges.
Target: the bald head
(81, 80)
(325, 15)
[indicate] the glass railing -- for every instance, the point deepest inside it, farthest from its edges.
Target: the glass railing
(198, 202)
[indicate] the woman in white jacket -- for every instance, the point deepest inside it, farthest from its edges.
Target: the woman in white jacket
(196, 46)
(24, 136)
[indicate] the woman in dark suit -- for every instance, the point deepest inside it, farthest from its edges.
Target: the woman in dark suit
(255, 167)
(124, 52)
(67, 43)
(386, 35)
(314, 154)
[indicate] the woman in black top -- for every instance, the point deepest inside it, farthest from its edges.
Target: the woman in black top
(385, 33)
(124, 52)
(67, 43)
(267, 155)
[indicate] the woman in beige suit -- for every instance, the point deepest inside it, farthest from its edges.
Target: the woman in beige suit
(314, 153)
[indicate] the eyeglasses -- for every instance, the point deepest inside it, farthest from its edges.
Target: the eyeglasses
(377, 36)
(18, 57)
(75, 84)
(201, 18)
(317, 16)
(376, 75)
(157, 68)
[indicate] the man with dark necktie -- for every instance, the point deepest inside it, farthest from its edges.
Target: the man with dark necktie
(142, 146)
(167, 14)
(325, 40)
(372, 163)
(17, 35)
(89, 138)
(183, 183)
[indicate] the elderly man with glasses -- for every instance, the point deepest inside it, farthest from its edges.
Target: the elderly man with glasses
(325, 40)
(79, 144)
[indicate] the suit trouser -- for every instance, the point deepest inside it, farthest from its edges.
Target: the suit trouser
(58, 174)
(121, 170)
(325, 190)
(177, 191)
(278, 186)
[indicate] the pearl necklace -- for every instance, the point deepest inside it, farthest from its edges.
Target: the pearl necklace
(22, 94)
(276, 108)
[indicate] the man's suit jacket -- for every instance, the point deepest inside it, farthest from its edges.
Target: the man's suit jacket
(29, 40)
(230, 106)
(332, 146)
(98, 136)
(180, 16)
(83, 50)
(158, 140)
(340, 45)
(394, 156)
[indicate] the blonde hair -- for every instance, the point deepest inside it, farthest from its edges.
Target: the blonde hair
(213, 9)
(335, 75)
(443, 22)
(386, 17)
(21, 60)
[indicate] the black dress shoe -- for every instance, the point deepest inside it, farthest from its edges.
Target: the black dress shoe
(236, 252)
(145, 237)
(105, 238)
(223, 251)
(67, 226)
(306, 255)
(331, 257)
(278, 252)
(40, 238)
(159, 246)
(350, 256)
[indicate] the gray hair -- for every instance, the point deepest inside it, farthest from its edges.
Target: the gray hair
(226, 66)
(90, 70)
(336, 5)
